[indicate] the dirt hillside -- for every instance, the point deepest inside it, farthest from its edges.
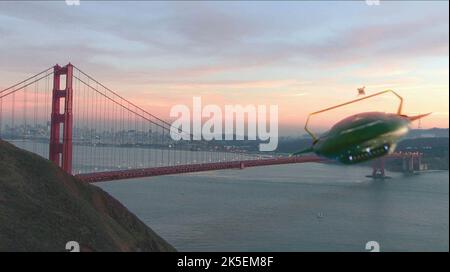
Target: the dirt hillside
(42, 208)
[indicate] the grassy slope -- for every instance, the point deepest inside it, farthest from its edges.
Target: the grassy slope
(41, 208)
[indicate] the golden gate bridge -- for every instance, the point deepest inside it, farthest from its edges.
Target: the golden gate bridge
(67, 116)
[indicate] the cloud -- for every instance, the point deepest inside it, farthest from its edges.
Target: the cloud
(206, 26)
(297, 94)
(217, 38)
(167, 49)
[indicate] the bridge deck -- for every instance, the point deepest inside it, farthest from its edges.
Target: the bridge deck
(178, 169)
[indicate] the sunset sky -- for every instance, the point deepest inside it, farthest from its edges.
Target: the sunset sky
(301, 56)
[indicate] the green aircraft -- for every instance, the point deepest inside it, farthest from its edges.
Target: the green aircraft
(361, 137)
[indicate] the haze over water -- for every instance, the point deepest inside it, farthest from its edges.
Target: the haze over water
(303, 207)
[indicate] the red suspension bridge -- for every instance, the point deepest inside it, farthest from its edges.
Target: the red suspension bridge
(87, 129)
(67, 116)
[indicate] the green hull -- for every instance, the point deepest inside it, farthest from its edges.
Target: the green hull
(362, 137)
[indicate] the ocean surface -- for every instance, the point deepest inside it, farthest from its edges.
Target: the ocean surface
(302, 207)
(297, 207)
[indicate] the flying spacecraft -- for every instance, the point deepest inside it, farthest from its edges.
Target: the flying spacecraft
(361, 137)
(362, 90)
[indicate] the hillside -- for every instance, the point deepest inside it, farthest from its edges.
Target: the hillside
(42, 208)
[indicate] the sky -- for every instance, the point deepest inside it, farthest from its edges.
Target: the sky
(300, 55)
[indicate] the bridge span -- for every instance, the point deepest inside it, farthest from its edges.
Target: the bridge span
(191, 168)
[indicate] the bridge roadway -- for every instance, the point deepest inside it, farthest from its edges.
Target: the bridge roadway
(190, 168)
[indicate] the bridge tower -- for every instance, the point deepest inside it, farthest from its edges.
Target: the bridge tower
(61, 118)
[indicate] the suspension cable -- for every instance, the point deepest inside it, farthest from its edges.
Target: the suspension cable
(25, 80)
